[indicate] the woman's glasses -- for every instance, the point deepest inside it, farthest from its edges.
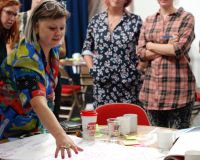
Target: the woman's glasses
(10, 13)
(51, 5)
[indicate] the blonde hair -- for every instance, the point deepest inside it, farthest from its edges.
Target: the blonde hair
(47, 9)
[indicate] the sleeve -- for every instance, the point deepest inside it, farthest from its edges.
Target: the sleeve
(138, 27)
(88, 45)
(29, 85)
(141, 48)
(186, 36)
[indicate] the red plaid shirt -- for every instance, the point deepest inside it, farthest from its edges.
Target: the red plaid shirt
(169, 82)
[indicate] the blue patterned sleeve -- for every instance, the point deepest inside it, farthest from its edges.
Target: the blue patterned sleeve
(29, 84)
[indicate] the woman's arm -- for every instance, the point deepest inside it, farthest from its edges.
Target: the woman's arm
(48, 119)
(181, 43)
(161, 49)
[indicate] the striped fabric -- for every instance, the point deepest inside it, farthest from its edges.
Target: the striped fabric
(169, 82)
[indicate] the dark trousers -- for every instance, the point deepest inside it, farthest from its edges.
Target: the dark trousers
(177, 118)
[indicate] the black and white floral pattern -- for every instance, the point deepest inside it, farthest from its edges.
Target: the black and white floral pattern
(116, 78)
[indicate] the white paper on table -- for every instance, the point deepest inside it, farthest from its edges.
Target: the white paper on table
(42, 147)
(187, 141)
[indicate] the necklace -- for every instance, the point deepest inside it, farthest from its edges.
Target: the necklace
(113, 22)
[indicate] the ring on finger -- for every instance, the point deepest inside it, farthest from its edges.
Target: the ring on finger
(67, 146)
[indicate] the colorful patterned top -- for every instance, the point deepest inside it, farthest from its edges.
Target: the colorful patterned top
(169, 82)
(25, 74)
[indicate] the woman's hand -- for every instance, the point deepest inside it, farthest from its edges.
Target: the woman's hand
(150, 55)
(174, 39)
(64, 142)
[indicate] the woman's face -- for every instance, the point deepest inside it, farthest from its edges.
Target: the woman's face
(9, 16)
(51, 32)
(165, 3)
(117, 3)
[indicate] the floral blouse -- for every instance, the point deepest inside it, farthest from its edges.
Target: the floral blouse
(114, 57)
(25, 74)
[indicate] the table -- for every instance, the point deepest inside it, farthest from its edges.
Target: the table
(145, 136)
(43, 147)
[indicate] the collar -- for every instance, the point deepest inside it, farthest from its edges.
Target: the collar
(176, 13)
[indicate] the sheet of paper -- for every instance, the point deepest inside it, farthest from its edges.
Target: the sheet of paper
(42, 147)
(187, 141)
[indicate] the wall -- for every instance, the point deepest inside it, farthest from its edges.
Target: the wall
(148, 7)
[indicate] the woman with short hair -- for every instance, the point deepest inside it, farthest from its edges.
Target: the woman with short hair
(29, 77)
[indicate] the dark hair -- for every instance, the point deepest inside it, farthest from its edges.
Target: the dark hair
(125, 5)
(13, 33)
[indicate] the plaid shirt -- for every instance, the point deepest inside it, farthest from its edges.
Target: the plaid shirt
(169, 82)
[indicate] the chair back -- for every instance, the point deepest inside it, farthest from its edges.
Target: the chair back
(114, 110)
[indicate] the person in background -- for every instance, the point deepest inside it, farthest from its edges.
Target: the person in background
(168, 90)
(8, 26)
(110, 53)
(29, 77)
(25, 15)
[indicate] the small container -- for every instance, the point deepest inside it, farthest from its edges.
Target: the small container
(113, 130)
(89, 119)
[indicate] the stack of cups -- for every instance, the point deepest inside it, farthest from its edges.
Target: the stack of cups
(89, 119)
(128, 123)
(133, 121)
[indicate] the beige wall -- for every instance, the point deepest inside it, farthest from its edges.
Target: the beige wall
(95, 6)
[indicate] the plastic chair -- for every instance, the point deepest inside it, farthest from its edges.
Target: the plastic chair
(69, 96)
(114, 110)
(196, 107)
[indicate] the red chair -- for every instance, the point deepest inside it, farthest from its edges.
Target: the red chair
(196, 107)
(114, 110)
(69, 97)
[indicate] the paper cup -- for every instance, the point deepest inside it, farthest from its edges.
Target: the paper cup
(165, 139)
(89, 119)
(192, 155)
(76, 56)
(124, 125)
(133, 121)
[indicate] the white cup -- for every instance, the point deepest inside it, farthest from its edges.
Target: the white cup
(133, 121)
(89, 119)
(76, 56)
(165, 139)
(89, 106)
(124, 125)
(192, 155)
